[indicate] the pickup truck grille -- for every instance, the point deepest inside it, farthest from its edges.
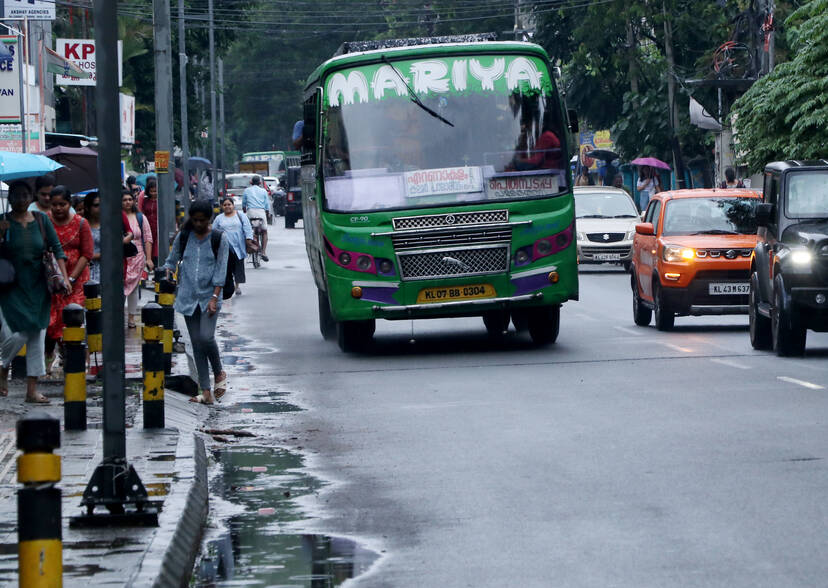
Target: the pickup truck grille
(447, 263)
(479, 217)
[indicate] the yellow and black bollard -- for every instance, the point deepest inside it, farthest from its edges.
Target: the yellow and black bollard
(74, 368)
(152, 357)
(166, 298)
(157, 276)
(94, 324)
(18, 365)
(39, 530)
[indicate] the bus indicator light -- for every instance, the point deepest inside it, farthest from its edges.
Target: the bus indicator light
(356, 292)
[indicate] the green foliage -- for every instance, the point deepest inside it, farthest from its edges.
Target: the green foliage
(784, 114)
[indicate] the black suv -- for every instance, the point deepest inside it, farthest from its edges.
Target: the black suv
(293, 198)
(789, 269)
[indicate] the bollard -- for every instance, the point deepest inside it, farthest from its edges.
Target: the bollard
(39, 530)
(152, 358)
(18, 365)
(166, 298)
(94, 326)
(74, 368)
(157, 277)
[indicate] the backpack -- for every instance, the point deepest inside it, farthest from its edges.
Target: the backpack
(215, 241)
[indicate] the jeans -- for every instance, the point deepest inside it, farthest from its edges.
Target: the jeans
(12, 343)
(202, 330)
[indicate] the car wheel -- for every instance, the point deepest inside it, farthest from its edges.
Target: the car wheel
(290, 222)
(355, 335)
(544, 324)
(664, 317)
(641, 314)
(627, 266)
(788, 336)
(327, 324)
(497, 322)
(760, 326)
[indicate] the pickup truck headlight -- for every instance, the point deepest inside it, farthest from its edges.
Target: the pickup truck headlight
(677, 253)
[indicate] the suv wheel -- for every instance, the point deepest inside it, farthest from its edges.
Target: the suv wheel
(641, 314)
(760, 326)
(355, 335)
(788, 335)
(290, 222)
(544, 324)
(664, 317)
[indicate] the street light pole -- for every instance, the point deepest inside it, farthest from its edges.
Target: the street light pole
(213, 100)
(164, 125)
(114, 484)
(221, 116)
(182, 85)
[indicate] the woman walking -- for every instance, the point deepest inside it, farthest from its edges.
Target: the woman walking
(142, 237)
(648, 186)
(148, 204)
(76, 241)
(239, 232)
(201, 276)
(24, 307)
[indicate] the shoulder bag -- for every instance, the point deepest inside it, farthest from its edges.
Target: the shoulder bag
(54, 277)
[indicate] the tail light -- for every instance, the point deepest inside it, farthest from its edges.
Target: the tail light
(290, 196)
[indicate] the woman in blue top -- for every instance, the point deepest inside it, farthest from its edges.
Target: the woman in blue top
(201, 277)
(236, 227)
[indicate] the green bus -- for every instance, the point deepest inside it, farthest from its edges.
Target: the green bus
(436, 183)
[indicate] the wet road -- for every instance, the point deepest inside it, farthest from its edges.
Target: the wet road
(619, 456)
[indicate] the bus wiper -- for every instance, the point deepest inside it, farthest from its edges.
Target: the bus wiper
(414, 98)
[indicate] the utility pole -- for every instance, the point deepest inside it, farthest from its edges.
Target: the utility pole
(213, 101)
(182, 85)
(21, 55)
(114, 483)
(221, 116)
(164, 124)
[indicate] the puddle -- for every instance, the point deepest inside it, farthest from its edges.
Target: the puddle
(257, 486)
(264, 407)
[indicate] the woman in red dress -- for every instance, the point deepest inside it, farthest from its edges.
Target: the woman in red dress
(148, 205)
(76, 239)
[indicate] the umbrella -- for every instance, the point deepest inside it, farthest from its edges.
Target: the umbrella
(651, 161)
(602, 154)
(199, 161)
(142, 179)
(80, 171)
(14, 166)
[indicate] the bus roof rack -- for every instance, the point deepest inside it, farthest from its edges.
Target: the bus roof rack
(357, 46)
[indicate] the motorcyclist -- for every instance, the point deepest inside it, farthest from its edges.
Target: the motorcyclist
(254, 204)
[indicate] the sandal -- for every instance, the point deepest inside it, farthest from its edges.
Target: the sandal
(38, 399)
(220, 387)
(200, 400)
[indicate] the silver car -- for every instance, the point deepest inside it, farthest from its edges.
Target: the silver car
(605, 220)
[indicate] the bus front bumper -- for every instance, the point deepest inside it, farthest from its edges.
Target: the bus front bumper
(471, 306)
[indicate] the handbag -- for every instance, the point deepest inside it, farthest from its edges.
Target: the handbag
(54, 277)
(130, 249)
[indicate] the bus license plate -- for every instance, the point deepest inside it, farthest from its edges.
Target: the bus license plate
(455, 293)
(725, 289)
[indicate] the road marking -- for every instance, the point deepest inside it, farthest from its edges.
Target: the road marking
(629, 331)
(730, 363)
(802, 383)
(586, 317)
(678, 348)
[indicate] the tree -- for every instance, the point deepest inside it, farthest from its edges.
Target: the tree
(784, 114)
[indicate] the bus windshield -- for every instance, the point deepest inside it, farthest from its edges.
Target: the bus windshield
(494, 133)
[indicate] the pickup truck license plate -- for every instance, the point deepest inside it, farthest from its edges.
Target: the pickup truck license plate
(455, 293)
(729, 288)
(607, 256)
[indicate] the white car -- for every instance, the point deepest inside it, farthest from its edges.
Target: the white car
(605, 220)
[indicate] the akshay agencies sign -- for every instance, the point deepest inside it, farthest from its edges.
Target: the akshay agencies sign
(9, 80)
(81, 52)
(31, 9)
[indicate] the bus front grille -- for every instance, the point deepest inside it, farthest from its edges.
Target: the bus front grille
(478, 217)
(451, 237)
(447, 263)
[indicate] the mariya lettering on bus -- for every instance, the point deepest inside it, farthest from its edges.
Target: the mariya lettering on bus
(434, 75)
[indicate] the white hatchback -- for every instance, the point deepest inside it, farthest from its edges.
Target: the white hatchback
(605, 220)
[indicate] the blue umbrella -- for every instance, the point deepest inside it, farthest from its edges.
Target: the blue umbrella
(14, 166)
(199, 161)
(142, 179)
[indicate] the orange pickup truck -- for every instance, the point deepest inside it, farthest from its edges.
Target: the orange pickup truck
(691, 255)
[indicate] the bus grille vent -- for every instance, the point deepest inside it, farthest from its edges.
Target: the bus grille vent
(446, 263)
(451, 237)
(479, 217)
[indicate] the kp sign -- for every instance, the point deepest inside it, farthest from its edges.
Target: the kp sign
(31, 9)
(81, 52)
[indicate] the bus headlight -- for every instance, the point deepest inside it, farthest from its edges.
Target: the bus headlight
(363, 263)
(345, 258)
(521, 257)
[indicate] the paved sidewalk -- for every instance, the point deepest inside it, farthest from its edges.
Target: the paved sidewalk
(171, 463)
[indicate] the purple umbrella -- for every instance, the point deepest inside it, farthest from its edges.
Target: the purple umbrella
(651, 161)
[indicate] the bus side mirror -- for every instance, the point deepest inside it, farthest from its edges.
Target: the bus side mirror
(764, 212)
(572, 115)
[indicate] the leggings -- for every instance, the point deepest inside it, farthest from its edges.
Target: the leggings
(12, 343)
(202, 330)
